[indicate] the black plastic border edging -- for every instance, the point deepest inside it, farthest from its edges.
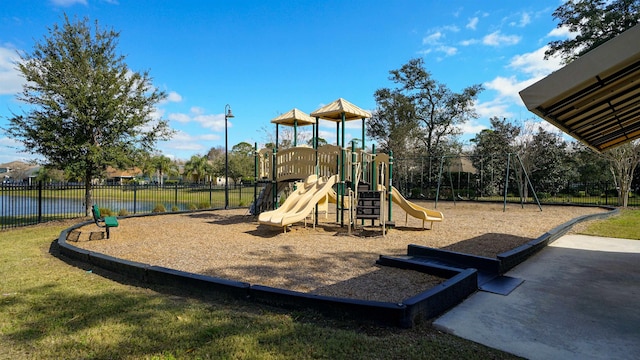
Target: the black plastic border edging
(512, 258)
(461, 260)
(423, 306)
(377, 311)
(381, 312)
(460, 284)
(150, 274)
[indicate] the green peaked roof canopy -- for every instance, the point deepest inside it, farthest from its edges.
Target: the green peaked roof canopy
(334, 111)
(294, 117)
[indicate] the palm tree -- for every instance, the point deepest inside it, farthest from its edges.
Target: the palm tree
(198, 166)
(162, 165)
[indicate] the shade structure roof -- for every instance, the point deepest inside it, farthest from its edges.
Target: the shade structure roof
(596, 98)
(294, 117)
(334, 111)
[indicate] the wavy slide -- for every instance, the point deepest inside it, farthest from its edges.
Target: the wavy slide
(300, 203)
(414, 210)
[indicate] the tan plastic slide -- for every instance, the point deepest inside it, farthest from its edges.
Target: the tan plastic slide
(414, 210)
(300, 203)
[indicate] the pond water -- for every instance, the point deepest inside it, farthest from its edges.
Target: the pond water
(25, 205)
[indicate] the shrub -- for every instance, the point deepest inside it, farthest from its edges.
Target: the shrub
(193, 207)
(203, 205)
(543, 195)
(106, 212)
(159, 208)
(123, 212)
(241, 203)
(174, 208)
(582, 194)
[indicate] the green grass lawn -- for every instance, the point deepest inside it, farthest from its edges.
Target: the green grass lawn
(50, 309)
(626, 225)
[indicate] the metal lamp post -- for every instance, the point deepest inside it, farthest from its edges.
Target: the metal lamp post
(227, 115)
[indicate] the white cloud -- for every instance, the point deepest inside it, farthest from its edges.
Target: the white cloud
(562, 32)
(174, 97)
(214, 122)
(184, 142)
(451, 28)
(10, 79)
(496, 107)
(179, 117)
(469, 42)
(432, 39)
(66, 3)
(498, 39)
(525, 20)
(473, 23)
(447, 50)
(472, 127)
(210, 137)
(534, 64)
(9, 142)
(197, 110)
(509, 87)
(157, 114)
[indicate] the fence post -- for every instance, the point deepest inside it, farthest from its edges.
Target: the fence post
(210, 193)
(39, 201)
(135, 196)
(175, 195)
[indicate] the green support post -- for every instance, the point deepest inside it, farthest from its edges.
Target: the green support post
(363, 127)
(342, 174)
(506, 183)
(274, 182)
(353, 166)
(439, 181)
(255, 179)
(341, 186)
(529, 182)
(390, 182)
(374, 172)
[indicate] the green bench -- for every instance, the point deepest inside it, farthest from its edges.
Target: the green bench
(106, 222)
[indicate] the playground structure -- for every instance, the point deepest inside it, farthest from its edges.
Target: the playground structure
(363, 181)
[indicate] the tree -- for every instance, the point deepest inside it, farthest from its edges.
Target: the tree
(241, 161)
(197, 167)
(623, 161)
(545, 160)
(490, 154)
(87, 109)
(393, 121)
(439, 112)
(593, 22)
(162, 166)
(321, 142)
(48, 174)
(588, 166)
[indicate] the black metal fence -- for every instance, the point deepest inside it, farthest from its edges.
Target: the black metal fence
(23, 204)
(453, 179)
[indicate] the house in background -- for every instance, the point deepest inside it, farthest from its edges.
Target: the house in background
(120, 177)
(18, 172)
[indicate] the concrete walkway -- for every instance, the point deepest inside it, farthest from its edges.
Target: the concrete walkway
(580, 300)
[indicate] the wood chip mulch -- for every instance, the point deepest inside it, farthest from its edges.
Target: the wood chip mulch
(326, 260)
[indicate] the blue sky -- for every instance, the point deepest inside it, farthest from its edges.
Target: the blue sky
(264, 58)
